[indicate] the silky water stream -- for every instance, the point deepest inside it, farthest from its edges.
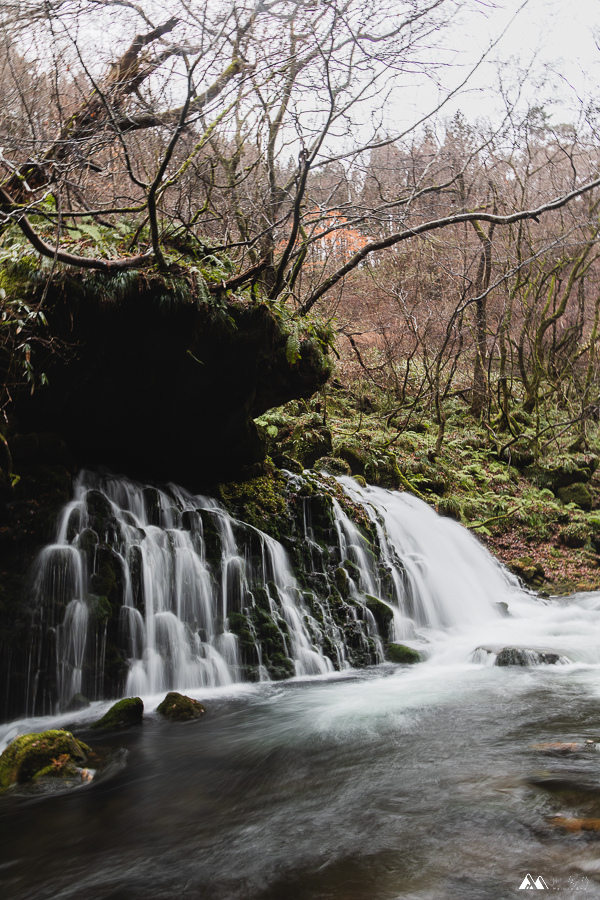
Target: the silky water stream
(425, 782)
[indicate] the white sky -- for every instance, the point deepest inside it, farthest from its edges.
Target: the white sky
(552, 39)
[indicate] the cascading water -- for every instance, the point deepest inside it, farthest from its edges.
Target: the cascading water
(147, 590)
(418, 781)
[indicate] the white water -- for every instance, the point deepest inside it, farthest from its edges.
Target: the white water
(442, 586)
(409, 782)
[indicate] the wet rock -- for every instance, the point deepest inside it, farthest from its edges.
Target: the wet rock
(570, 790)
(124, 713)
(400, 653)
(566, 748)
(528, 570)
(179, 708)
(77, 702)
(332, 465)
(382, 614)
(341, 581)
(527, 656)
(575, 825)
(52, 753)
(502, 608)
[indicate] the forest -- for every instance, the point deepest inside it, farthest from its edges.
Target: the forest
(300, 416)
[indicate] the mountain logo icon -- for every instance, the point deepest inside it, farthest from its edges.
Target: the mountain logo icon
(530, 883)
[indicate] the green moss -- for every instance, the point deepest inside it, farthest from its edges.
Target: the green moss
(341, 581)
(576, 493)
(399, 653)
(574, 535)
(31, 756)
(261, 501)
(332, 466)
(123, 713)
(352, 570)
(179, 708)
(382, 613)
(450, 507)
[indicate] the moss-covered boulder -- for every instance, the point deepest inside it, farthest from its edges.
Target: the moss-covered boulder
(382, 613)
(123, 713)
(528, 570)
(179, 708)
(53, 753)
(332, 465)
(400, 653)
(577, 493)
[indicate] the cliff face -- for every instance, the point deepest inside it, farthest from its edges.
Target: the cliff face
(159, 382)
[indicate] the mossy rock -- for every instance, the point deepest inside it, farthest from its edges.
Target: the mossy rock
(77, 702)
(528, 570)
(332, 465)
(341, 581)
(577, 493)
(261, 501)
(400, 653)
(382, 613)
(311, 444)
(125, 712)
(179, 708)
(352, 570)
(574, 535)
(55, 753)
(354, 455)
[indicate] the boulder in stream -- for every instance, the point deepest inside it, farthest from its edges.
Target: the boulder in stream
(179, 708)
(126, 712)
(528, 656)
(55, 754)
(400, 653)
(519, 656)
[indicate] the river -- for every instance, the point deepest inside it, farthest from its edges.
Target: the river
(425, 782)
(409, 782)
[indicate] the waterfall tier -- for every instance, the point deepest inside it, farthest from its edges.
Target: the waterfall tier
(146, 590)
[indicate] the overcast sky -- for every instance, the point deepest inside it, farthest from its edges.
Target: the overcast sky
(552, 40)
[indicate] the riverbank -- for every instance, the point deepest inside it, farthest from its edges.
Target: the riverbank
(537, 508)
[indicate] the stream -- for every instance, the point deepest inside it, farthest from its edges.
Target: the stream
(426, 782)
(396, 782)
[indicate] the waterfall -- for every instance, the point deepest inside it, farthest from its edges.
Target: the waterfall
(147, 590)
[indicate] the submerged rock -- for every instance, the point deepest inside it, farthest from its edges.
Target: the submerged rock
(179, 708)
(77, 702)
(126, 712)
(400, 653)
(566, 748)
(575, 825)
(53, 753)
